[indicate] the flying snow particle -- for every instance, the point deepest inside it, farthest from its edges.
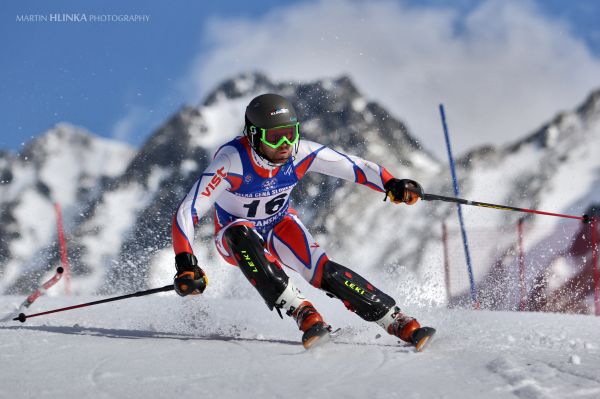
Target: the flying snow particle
(574, 359)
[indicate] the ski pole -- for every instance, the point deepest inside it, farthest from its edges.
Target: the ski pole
(22, 316)
(435, 197)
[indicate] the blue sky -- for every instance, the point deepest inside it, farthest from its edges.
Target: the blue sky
(95, 74)
(122, 79)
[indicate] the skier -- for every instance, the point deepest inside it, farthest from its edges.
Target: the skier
(248, 185)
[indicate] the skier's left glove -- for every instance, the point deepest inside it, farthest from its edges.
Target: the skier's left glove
(403, 191)
(190, 278)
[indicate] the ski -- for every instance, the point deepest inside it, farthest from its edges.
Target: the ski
(36, 294)
(422, 337)
(317, 335)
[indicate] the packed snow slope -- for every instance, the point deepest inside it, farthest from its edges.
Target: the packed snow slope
(164, 346)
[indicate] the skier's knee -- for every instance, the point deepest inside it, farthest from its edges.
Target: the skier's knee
(356, 292)
(248, 250)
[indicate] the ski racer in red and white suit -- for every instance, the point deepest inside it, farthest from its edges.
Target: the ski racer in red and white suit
(258, 230)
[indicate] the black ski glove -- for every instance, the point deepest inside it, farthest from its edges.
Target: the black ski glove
(190, 279)
(403, 190)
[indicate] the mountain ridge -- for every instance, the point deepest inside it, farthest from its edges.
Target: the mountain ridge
(120, 231)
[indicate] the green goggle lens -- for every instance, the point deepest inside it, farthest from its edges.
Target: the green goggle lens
(275, 137)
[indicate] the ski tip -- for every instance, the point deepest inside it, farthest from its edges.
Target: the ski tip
(317, 335)
(313, 341)
(422, 337)
(316, 341)
(422, 343)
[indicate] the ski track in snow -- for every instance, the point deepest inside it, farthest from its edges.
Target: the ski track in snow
(539, 379)
(165, 346)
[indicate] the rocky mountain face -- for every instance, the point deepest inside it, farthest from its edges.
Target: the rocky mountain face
(118, 203)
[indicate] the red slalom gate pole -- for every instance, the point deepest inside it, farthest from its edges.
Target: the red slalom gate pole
(63, 248)
(37, 293)
(40, 291)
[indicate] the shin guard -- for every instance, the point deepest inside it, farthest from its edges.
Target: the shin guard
(357, 293)
(266, 276)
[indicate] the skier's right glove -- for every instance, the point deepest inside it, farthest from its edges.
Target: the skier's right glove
(190, 279)
(403, 191)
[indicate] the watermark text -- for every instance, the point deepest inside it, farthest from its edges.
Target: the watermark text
(82, 18)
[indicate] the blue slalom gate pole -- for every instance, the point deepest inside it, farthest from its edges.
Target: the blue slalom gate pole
(463, 231)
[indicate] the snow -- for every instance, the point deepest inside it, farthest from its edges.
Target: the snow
(575, 359)
(83, 162)
(23, 176)
(38, 222)
(581, 171)
(157, 176)
(188, 166)
(111, 222)
(424, 163)
(164, 346)
(37, 227)
(359, 104)
(561, 272)
(221, 119)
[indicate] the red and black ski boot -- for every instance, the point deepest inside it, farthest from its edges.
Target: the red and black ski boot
(409, 330)
(316, 331)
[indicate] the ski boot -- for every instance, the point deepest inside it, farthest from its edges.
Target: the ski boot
(316, 331)
(409, 330)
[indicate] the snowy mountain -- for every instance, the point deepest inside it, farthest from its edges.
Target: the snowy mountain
(118, 214)
(66, 165)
